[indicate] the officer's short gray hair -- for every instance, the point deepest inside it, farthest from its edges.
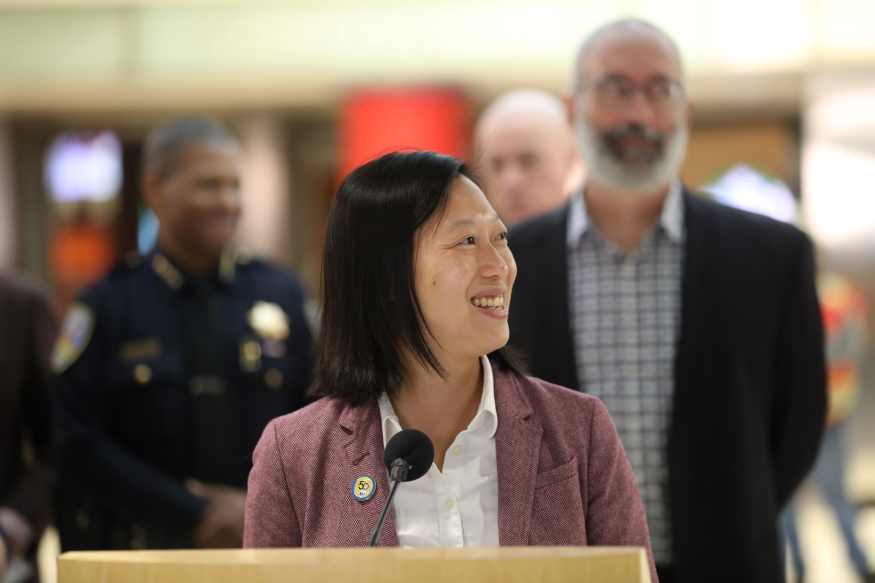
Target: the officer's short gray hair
(625, 24)
(164, 144)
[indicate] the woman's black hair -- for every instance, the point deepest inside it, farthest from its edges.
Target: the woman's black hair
(371, 316)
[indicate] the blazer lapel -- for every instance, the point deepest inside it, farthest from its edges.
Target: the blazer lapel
(364, 454)
(517, 449)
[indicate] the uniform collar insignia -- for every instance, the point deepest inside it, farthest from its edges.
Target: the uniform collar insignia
(228, 264)
(133, 259)
(231, 257)
(166, 271)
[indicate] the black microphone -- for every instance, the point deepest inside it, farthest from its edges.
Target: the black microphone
(407, 456)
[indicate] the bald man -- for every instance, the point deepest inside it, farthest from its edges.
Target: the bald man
(697, 324)
(528, 152)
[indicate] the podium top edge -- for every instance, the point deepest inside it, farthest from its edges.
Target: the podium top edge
(323, 555)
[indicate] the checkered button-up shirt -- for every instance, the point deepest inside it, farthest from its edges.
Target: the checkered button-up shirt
(625, 316)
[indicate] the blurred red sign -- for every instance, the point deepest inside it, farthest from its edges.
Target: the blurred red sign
(376, 122)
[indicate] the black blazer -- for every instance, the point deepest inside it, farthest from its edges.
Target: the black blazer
(750, 381)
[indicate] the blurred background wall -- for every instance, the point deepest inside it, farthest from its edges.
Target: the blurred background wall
(767, 78)
(785, 87)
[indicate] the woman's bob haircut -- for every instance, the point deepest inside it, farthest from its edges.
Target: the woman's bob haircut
(371, 319)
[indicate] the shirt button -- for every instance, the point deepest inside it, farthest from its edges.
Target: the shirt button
(457, 450)
(449, 504)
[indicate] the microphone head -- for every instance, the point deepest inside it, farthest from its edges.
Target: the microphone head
(414, 447)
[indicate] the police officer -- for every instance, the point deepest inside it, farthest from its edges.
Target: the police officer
(168, 369)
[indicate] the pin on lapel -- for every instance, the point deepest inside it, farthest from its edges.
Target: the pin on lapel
(363, 488)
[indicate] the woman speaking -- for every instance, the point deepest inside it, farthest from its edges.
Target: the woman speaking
(417, 284)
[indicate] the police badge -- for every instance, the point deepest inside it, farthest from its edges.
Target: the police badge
(268, 320)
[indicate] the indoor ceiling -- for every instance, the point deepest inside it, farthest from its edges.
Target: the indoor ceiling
(136, 54)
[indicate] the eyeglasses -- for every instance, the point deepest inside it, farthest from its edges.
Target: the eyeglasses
(619, 92)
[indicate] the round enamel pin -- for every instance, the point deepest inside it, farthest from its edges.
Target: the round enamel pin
(363, 488)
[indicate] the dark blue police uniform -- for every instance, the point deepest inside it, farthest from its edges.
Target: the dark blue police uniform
(133, 420)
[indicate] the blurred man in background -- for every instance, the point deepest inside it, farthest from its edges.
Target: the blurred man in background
(27, 330)
(528, 152)
(169, 368)
(698, 325)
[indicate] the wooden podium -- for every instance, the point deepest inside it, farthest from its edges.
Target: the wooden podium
(361, 565)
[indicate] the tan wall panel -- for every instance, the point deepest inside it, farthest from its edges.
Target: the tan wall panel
(768, 146)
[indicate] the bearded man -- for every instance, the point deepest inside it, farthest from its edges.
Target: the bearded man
(696, 324)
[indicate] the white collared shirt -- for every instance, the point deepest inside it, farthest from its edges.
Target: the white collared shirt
(671, 219)
(459, 506)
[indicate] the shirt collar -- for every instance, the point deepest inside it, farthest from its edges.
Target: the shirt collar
(486, 412)
(671, 219)
(224, 273)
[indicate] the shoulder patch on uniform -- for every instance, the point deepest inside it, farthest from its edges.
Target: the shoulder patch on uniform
(73, 338)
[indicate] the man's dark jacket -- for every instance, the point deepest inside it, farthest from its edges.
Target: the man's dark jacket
(27, 331)
(750, 383)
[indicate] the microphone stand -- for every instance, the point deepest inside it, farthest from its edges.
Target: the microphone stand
(397, 474)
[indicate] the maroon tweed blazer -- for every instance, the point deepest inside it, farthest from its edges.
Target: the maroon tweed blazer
(563, 477)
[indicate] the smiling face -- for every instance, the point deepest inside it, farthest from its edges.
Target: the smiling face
(198, 204)
(631, 116)
(462, 266)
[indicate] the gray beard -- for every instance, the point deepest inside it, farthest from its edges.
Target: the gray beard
(604, 167)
